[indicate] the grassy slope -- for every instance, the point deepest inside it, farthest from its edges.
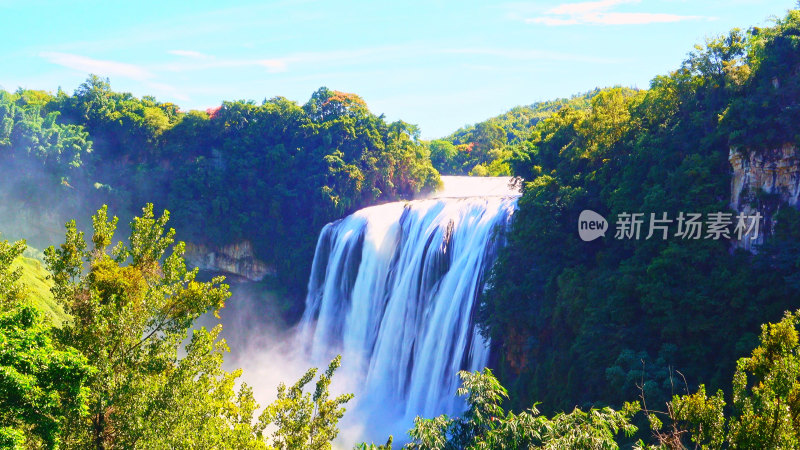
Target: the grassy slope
(34, 277)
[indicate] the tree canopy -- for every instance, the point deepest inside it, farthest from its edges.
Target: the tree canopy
(575, 322)
(272, 173)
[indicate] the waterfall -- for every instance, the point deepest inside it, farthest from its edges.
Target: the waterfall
(394, 289)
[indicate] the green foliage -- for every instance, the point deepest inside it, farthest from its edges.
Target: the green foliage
(130, 309)
(25, 132)
(37, 282)
(306, 420)
(11, 291)
(196, 403)
(486, 148)
(443, 154)
(120, 123)
(198, 406)
(765, 403)
(331, 154)
(585, 323)
(99, 146)
(486, 425)
(765, 111)
(372, 446)
(40, 384)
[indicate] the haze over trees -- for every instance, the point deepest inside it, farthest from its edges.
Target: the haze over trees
(115, 375)
(272, 173)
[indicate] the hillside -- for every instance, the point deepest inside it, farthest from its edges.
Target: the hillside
(485, 148)
(35, 279)
(585, 323)
(233, 174)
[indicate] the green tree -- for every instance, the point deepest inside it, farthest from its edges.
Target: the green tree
(442, 154)
(765, 407)
(26, 132)
(131, 308)
(196, 403)
(573, 321)
(486, 425)
(41, 385)
(764, 113)
(306, 420)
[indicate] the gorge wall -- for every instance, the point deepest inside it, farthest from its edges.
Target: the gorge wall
(764, 181)
(235, 259)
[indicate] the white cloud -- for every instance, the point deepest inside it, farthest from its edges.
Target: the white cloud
(586, 7)
(107, 68)
(189, 54)
(168, 90)
(151, 76)
(283, 63)
(274, 65)
(97, 66)
(641, 18)
(597, 13)
(198, 64)
(316, 58)
(325, 60)
(552, 21)
(529, 54)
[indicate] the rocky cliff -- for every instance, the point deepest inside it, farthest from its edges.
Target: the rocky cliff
(236, 259)
(764, 181)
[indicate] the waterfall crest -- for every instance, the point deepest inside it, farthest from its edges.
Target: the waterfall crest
(393, 288)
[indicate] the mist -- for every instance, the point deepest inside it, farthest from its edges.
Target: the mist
(269, 351)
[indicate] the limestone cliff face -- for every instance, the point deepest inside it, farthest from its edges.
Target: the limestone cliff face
(775, 172)
(236, 259)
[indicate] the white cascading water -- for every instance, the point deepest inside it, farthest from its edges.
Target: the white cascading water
(394, 289)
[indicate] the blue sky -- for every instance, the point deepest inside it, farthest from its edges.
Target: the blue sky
(439, 64)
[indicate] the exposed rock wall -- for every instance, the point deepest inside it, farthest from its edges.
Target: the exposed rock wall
(237, 259)
(775, 172)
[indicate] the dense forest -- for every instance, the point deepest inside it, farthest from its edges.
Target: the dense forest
(272, 174)
(485, 148)
(636, 333)
(584, 323)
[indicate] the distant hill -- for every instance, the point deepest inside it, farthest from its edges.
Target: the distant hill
(519, 121)
(485, 148)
